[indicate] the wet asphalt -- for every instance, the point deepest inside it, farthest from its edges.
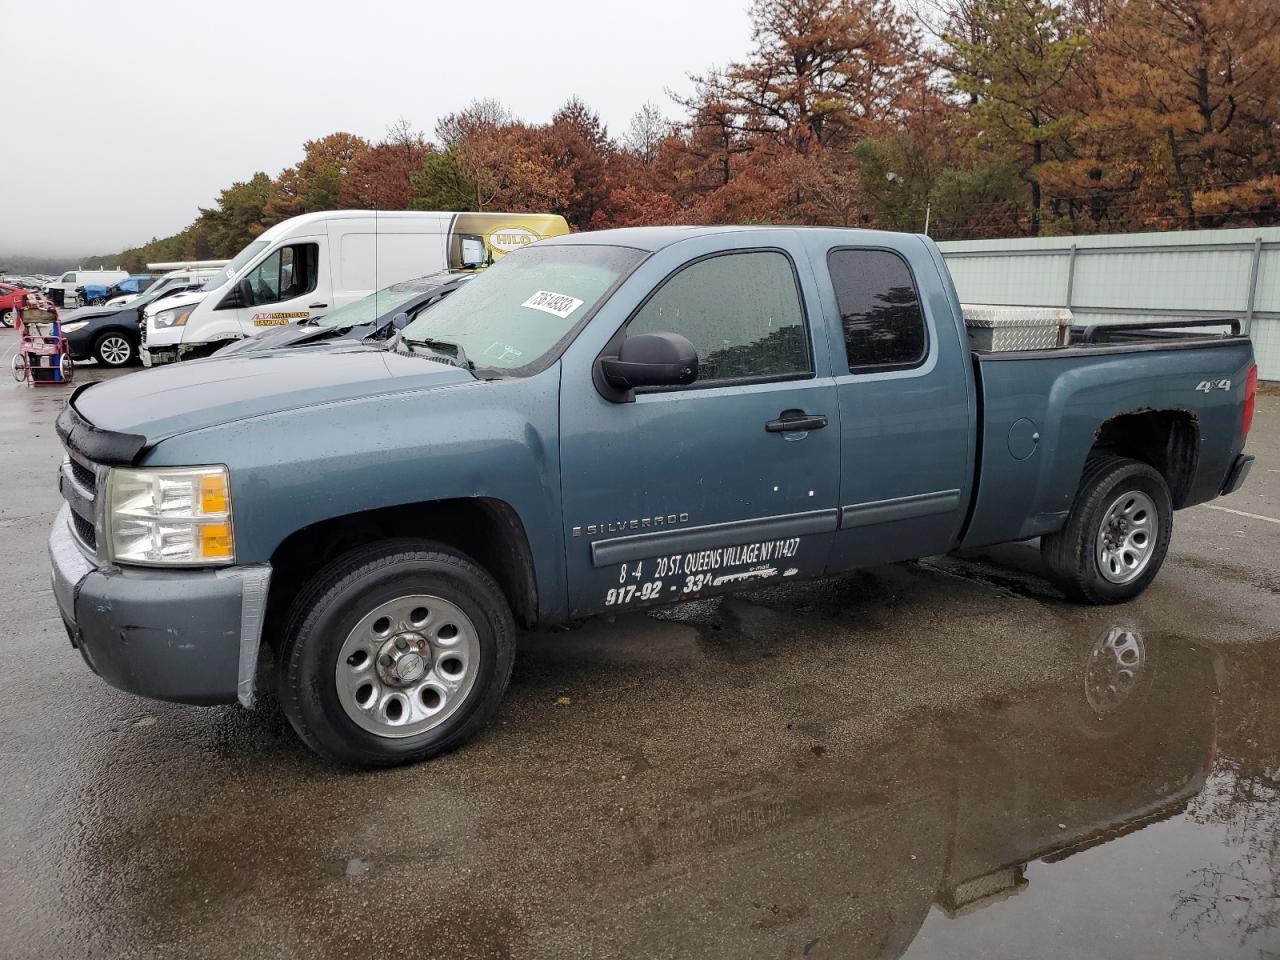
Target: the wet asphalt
(934, 759)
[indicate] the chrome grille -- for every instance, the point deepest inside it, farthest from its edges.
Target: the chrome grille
(142, 329)
(85, 531)
(84, 475)
(78, 482)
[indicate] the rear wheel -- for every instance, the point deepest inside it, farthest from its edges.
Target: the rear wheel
(1117, 534)
(394, 653)
(114, 349)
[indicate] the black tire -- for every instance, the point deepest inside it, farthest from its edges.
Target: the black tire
(335, 601)
(106, 349)
(1071, 554)
(6, 318)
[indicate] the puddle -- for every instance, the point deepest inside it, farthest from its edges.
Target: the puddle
(766, 776)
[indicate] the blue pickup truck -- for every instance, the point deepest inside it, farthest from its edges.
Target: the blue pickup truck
(598, 423)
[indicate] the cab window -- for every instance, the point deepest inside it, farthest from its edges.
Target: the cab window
(742, 313)
(68, 278)
(880, 312)
(286, 273)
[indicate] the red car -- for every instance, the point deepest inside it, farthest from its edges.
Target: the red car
(10, 296)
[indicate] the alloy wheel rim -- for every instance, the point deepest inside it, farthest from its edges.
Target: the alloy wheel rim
(1127, 537)
(115, 350)
(407, 666)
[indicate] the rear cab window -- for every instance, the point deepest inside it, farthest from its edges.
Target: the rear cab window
(881, 318)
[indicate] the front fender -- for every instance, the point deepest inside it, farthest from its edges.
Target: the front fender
(290, 470)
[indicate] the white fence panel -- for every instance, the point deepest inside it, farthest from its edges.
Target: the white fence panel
(1131, 277)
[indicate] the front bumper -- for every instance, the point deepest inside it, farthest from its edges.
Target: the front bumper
(81, 344)
(191, 636)
(155, 356)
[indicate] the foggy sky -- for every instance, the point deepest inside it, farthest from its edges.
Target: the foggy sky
(138, 111)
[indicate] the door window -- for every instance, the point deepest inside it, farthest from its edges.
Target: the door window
(286, 273)
(741, 311)
(879, 310)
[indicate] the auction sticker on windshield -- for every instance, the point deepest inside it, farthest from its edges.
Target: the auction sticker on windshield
(557, 304)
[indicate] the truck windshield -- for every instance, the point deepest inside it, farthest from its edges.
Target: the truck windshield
(232, 268)
(518, 310)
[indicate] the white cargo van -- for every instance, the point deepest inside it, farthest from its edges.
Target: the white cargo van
(68, 282)
(308, 265)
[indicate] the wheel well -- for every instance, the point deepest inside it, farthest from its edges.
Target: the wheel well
(1168, 440)
(486, 530)
(130, 334)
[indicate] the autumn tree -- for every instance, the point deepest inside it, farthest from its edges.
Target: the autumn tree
(316, 182)
(823, 72)
(1013, 59)
(646, 132)
(577, 145)
(381, 177)
(1192, 87)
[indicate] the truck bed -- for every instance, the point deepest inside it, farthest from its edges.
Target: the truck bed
(1040, 412)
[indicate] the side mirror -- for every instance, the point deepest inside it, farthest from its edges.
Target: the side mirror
(400, 321)
(651, 360)
(245, 291)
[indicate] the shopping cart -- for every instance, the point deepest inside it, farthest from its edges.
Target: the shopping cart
(43, 356)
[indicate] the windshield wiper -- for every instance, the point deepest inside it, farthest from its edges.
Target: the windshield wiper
(459, 357)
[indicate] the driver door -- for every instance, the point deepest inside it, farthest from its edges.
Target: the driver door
(689, 491)
(282, 288)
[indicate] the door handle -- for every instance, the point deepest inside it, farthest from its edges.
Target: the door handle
(316, 306)
(793, 421)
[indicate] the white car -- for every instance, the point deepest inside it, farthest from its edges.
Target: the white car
(68, 282)
(161, 327)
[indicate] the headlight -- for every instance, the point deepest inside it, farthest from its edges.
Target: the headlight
(73, 327)
(173, 317)
(169, 516)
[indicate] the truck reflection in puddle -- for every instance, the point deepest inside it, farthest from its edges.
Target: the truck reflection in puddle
(848, 860)
(1111, 794)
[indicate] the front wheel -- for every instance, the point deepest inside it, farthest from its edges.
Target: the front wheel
(1116, 535)
(395, 653)
(113, 349)
(6, 318)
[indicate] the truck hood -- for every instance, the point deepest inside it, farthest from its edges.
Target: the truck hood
(192, 395)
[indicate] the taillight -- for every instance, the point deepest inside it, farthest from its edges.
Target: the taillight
(1250, 398)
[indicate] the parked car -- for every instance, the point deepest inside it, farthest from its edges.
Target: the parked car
(63, 290)
(306, 266)
(605, 422)
(10, 299)
(117, 293)
(23, 281)
(110, 335)
(375, 317)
